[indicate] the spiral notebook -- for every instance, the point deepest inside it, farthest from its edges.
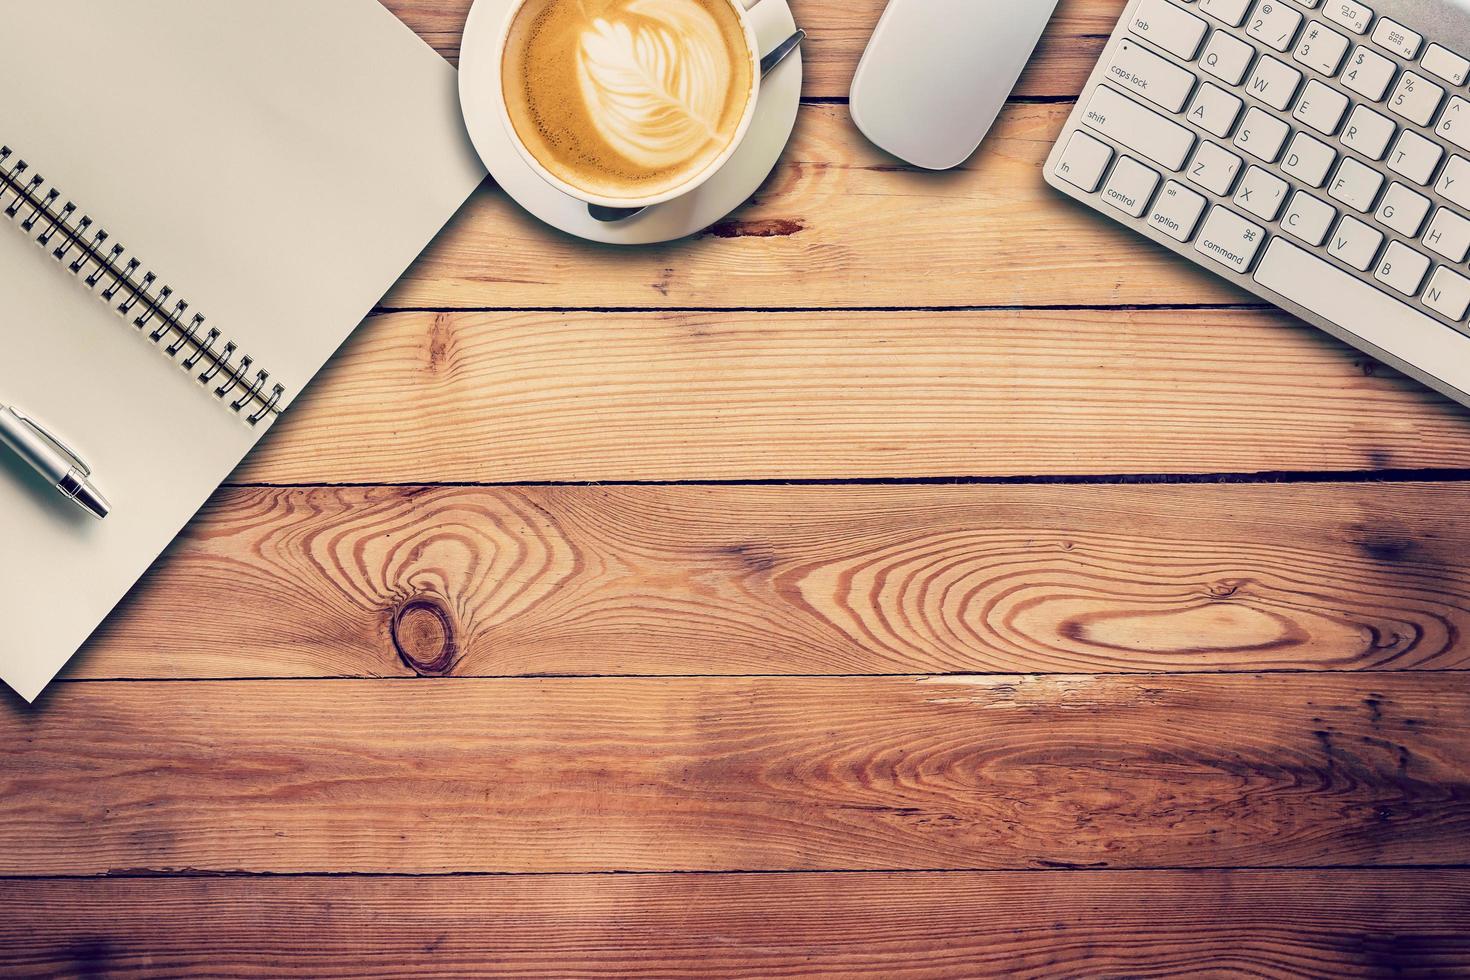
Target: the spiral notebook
(200, 201)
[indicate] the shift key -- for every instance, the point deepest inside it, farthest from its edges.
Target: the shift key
(1142, 130)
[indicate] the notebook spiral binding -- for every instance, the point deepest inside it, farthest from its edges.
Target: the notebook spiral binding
(83, 250)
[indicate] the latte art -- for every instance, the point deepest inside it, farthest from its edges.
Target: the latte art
(655, 80)
(627, 99)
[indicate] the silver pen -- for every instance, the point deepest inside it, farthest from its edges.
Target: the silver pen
(50, 457)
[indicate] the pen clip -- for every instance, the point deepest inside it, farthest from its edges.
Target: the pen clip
(53, 441)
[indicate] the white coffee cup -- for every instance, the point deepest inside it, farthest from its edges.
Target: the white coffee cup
(752, 48)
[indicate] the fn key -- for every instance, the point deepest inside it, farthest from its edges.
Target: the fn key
(1084, 161)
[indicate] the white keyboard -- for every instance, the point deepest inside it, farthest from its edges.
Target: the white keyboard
(1315, 152)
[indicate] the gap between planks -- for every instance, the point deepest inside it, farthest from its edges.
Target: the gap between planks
(1431, 475)
(194, 874)
(999, 308)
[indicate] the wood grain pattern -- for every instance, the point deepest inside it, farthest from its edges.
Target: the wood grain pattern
(1325, 778)
(805, 580)
(837, 32)
(839, 224)
(658, 774)
(1042, 924)
(494, 397)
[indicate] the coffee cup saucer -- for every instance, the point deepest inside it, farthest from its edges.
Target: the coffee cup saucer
(770, 129)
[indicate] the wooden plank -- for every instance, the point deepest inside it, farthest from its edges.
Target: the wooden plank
(1043, 924)
(660, 774)
(804, 580)
(839, 224)
(534, 397)
(837, 32)
(814, 237)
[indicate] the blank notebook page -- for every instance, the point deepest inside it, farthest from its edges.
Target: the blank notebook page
(278, 164)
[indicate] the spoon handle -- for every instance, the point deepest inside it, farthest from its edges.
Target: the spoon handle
(779, 52)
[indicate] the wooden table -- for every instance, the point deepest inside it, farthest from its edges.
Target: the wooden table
(913, 575)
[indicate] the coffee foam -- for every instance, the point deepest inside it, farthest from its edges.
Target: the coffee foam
(626, 98)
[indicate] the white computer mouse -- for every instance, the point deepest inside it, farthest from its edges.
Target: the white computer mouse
(936, 73)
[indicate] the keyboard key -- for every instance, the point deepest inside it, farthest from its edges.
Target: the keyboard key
(1414, 157)
(1231, 12)
(1227, 58)
(1415, 98)
(1403, 210)
(1214, 168)
(1215, 110)
(1140, 71)
(1369, 74)
(1397, 38)
(1445, 65)
(1177, 211)
(1320, 49)
(1176, 31)
(1354, 16)
(1448, 235)
(1402, 268)
(1130, 187)
(1309, 160)
(1230, 239)
(1448, 294)
(1361, 310)
(1320, 107)
(1355, 185)
(1274, 24)
(1274, 83)
(1084, 161)
(1262, 194)
(1368, 132)
(1355, 243)
(1146, 132)
(1308, 218)
(1454, 123)
(1262, 135)
(1454, 182)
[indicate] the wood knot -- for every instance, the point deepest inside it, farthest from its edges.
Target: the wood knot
(1226, 589)
(757, 228)
(424, 636)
